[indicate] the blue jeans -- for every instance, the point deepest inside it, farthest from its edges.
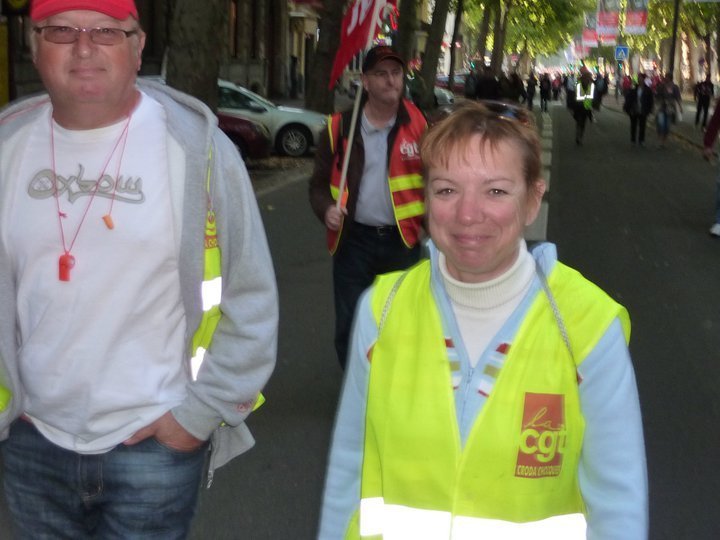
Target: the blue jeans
(132, 492)
(364, 253)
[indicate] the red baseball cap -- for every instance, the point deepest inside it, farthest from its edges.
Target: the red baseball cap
(118, 9)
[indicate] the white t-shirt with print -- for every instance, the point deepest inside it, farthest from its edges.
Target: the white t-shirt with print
(101, 355)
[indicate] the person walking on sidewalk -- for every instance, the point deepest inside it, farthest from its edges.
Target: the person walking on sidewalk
(638, 105)
(711, 133)
(669, 107)
(121, 200)
(378, 224)
(703, 93)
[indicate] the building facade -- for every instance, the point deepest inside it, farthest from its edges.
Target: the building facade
(269, 44)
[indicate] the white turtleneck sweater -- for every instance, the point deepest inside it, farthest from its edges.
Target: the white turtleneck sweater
(482, 308)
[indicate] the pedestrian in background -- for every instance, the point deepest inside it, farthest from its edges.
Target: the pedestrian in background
(557, 84)
(601, 88)
(120, 198)
(377, 226)
(703, 92)
(638, 105)
(531, 89)
(545, 89)
(490, 392)
(471, 83)
(669, 107)
(583, 110)
(487, 85)
(709, 140)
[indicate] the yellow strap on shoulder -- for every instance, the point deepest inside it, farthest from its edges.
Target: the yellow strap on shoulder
(5, 397)
(213, 269)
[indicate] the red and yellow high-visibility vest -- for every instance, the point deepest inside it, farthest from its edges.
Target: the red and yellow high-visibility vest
(517, 472)
(404, 176)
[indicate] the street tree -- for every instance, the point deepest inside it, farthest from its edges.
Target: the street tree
(318, 97)
(501, 12)
(459, 9)
(407, 26)
(432, 52)
(196, 47)
(542, 27)
(482, 39)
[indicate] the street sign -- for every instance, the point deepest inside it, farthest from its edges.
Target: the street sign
(622, 52)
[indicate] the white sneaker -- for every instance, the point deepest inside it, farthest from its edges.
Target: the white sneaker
(715, 229)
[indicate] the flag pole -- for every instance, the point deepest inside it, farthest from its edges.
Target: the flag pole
(379, 4)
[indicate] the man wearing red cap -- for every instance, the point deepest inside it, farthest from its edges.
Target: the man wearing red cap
(120, 200)
(377, 226)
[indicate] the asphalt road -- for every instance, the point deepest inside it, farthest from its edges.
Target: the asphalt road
(633, 220)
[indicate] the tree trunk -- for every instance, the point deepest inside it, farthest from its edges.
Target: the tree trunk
(318, 97)
(197, 39)
(708, 53)
(455, 37)
(717, 39)
(432, 52)
(484, 31)
(496, 56)
(501, 18)
(407, 25)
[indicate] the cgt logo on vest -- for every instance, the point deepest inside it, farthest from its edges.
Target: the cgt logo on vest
(409, 150)
(543, 436)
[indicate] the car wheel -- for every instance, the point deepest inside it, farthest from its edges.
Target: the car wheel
(294, 141)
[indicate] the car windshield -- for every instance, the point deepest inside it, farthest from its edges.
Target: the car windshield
(259, 98)
(232, 98)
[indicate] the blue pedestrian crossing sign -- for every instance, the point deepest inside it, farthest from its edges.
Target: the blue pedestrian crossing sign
(622, 52)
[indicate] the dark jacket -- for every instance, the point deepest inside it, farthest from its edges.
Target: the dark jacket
(644, 107)
(320, 197)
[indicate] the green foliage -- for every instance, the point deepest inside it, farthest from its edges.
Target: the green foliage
(546, 26)
(537, 26)
(696, 19)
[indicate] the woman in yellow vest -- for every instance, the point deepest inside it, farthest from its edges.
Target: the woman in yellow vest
(490, 392)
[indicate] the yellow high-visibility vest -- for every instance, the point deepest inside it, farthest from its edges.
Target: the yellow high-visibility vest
(211, 286)
(517, 472)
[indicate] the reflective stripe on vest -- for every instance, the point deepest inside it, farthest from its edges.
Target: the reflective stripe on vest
(524, 447)
(396, 522)
(404, 176)
(580, 95)
(211, 287)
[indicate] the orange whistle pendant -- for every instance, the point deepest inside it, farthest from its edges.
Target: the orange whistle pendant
(66, 263)
(109, 221)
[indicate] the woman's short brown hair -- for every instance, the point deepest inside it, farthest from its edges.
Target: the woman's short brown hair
(495, 122)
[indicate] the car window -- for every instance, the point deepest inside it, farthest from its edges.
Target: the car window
(231, 99)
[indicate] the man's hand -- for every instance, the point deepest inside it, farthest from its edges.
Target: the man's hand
(334, 217)
(167, 431)
(708, 153)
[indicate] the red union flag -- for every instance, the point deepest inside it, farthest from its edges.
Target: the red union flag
(356, 27)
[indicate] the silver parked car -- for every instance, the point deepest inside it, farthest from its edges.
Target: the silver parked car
(293, 131)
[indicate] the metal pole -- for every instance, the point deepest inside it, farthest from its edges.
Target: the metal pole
(676, 16)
